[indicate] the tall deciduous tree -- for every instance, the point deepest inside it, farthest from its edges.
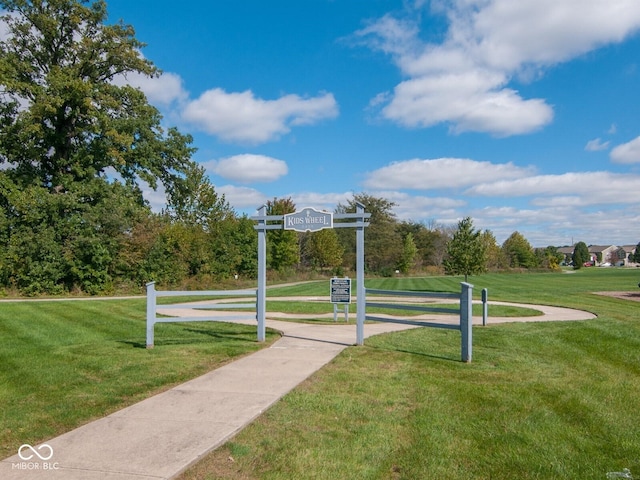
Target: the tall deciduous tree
(409, 252)
(466, 253)
(283, 250)
(322, 249)
(381, 236)
(194, 200)
(549, 257)
(519, 252)
(494, 254)
(635, 256)
(68, 127)
(64, 117)
(580, 255)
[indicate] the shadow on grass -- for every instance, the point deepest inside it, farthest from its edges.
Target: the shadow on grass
(206, 337)
(331, 342)
(420, 354)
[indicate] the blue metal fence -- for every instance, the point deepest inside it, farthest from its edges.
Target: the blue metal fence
(153, 308)
(464, 311)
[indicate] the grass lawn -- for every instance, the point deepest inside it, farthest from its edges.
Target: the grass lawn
(540, 400)
(63, 363)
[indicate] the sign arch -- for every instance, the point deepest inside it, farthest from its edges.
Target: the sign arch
(310, 219)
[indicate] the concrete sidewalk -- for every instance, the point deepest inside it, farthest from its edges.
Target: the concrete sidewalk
(160, 437)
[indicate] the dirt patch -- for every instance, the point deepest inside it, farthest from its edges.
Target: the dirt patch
(635, 296)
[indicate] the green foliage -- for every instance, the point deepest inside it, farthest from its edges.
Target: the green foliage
(60, 242)
(549, 257)
(580, 255)
(193, 200)
(635, 256)
(322, 249)
(409, 252)
(67, 126)
(494, 254)
(59, 64)
(283, 250)
(381, 236)
(466, 254)
(518, 252)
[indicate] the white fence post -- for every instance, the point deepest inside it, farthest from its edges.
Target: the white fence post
(466, 320)
(485, 307)
(361, 301)
(151, 312)
(261, 300)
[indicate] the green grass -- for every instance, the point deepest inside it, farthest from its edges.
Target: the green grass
(539, 401)
(517, 287)
(66, 362)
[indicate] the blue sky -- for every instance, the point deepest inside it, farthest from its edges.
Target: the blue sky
(522, 115)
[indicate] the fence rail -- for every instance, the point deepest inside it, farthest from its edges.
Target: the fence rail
(153, 308)
(464, 311)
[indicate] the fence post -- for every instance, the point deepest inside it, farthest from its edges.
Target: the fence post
(485, 307)
(151, 312)
(360, 295)
(466, 320)
(261, 300)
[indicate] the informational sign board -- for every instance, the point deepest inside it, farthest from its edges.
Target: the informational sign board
(308, 220)
(340, 290)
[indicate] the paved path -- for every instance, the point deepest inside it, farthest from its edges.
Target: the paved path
(159, 437)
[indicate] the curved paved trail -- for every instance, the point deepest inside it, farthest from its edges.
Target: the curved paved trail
(161, 436)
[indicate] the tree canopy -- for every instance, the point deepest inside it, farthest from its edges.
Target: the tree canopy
(466, 253)
(283, 249)
(65, 118)
(580, 255)
(75, 144)
(518, 251)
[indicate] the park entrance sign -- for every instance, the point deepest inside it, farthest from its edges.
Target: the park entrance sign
(310, 220)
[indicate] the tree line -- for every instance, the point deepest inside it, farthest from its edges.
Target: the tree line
(76, 145)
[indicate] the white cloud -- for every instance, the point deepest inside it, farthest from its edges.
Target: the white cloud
(160, 91)
(577, 189)
(627, 152)
(421, 208)
(326, 201)
(441, 173)
(248, 168)
(241, 117)
(242, 197)
(464, 80)
(596, 145)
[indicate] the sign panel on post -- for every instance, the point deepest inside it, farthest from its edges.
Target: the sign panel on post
(308, 220)
(340, 290)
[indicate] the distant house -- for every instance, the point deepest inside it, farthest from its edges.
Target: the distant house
(568, 255)
(628, 250)
(602, 254)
